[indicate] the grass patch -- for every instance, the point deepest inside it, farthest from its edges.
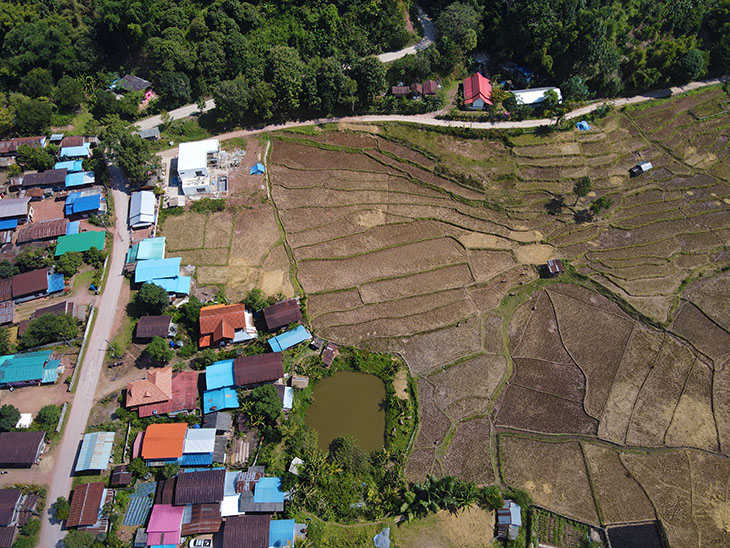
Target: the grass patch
(87, 478)
(235, 143)
(181, 131)
(82, 280)
(332, 535)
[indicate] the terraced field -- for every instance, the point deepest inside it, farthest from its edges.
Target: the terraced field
(607, 386)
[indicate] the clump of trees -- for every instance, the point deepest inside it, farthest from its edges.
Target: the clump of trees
(159, 351)
(47, 329)
(151, 299)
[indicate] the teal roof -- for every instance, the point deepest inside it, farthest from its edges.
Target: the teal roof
(83, 241)
(157, 268)
(96, 450)
(23, 367)
(216, 400)
(219, 375)
(289, 339)
(281, 532)
(50, 372)
(149, 249)
(132, 253)
(179, 284)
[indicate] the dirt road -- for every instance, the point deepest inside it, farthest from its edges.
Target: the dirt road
(65, 453)
(429, 36)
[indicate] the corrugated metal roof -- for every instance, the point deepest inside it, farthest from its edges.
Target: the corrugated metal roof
(151, 249)
(259, 368)
(249, 531)
(223, 398)
(85, 504)
(219, 375)
(199, 440)
(164, 441)
(282, 313)
(7, 312)
(83, 151)
(200, 487)
(42, 230)
(83, 241)
(23, 367)
(196, 459)
(142, 209)
(281, 533)
(50, 372)
(289, 339)
(50, 177)
(268, 490)
(79, 178)
(179, 285)
(153, 326)
(14, 207)
(96, 450)
(71, 166)
(72, 227)
(76, 203)
(157, 268)
(20, 448)
(8, 224)
(138, 511)
(29, 283)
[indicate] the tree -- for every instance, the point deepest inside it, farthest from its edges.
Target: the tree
(369, 73)
(69, 263)
(68, 94)
(460, 22)
(265, 403)
(152, 299)
(170, 470)
(38, 82)
(175, 89)
(48, 417)
(132, 153)
(4, 341)
(330, 84)
(32, 116)
(138, 468)
(78, 539)
(232, 99)
(582, 187)
(491, 497)
(8, 269)
(284, 72)
(604, 202)
(159, 351)
(60, 509)
(255, 300)
(94, 257)
(574, 89)
(262, 100)
(204, 359)
(39, 158)
(550, 99)
(691, 65)
(348, 456)
(9, 417)
(48, 328)
(32, 259)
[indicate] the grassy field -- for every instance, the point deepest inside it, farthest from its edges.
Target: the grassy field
(428, 243)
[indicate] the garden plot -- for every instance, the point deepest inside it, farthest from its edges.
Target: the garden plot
(469, 453)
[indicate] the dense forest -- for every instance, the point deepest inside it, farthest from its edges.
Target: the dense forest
(281, 59)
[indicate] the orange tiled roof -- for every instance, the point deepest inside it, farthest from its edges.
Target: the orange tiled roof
(155, 388)
(220, 321)
(164, 441)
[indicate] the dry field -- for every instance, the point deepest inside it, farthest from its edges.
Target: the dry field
(606, 395)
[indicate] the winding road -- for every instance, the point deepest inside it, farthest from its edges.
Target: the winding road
(65, 454)
(429, 36)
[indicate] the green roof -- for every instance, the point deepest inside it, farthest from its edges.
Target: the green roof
(132, 253)
(23, 367)
(83, 241)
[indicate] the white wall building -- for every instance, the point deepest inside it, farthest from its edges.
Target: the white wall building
(142, 209)
(533, 96)
(192, 166)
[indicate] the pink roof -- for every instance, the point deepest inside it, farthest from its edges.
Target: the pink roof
(165, 524)
(476, 87)
(137, 446)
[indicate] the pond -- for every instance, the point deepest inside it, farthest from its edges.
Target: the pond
(349, 404)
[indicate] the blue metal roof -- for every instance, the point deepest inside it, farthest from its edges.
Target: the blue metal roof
(157, 269)
(219, 375)
(223, 398)
(289, 339)
(8, 224)
(80, 178)
(257, 169)
(281, 532)
(138, 510)
(268, 490)
(55, 283)
(96, 450)
(196, 459)
(83, 151)
(72, 227)
(76, 203)
(179, 284)
(71, 166)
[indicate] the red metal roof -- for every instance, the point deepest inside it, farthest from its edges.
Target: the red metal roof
(6, 289)
(29, 283)
(258, 368)
(204, 518)
(184, 396)
(430, 87)
(247, 531)
(476, 87)
(203, 487)
(282, 313)
(85, 504)
(42, 230)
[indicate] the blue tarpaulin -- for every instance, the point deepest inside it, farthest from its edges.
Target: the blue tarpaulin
(289, 339)
(257, 169)
(8, 224)
(382, 539)
(583, 125)
(55, 283)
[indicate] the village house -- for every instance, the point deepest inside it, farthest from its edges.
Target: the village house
(149, 327)
(16, 509)
(222, 324)
(282, 314)
(193, 166)
(96, 452)
(10, 147)
(21, 449)
(509, 520)
(534, 96)
(161, 393)
(142, 209)
(28, 369)
(477, 92)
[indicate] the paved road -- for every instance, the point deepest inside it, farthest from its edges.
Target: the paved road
(182, 112)
(429, 36)
(65, 453)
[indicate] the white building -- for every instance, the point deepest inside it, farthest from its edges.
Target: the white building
(192, 166)
(142, 209)
(534, 96)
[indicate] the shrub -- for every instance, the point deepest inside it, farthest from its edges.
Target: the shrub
(60, 508)
(9, 416)
(68, 264)
(49, 328)
(159, 351)
(208, 205)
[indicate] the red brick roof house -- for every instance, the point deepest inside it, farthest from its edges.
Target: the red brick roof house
(162, 394)
(477, 92)
(221, 324)
(430, 87)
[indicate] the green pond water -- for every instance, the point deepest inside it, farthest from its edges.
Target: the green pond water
(349, 403)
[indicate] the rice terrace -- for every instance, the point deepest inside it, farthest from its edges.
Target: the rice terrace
(603, 392)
